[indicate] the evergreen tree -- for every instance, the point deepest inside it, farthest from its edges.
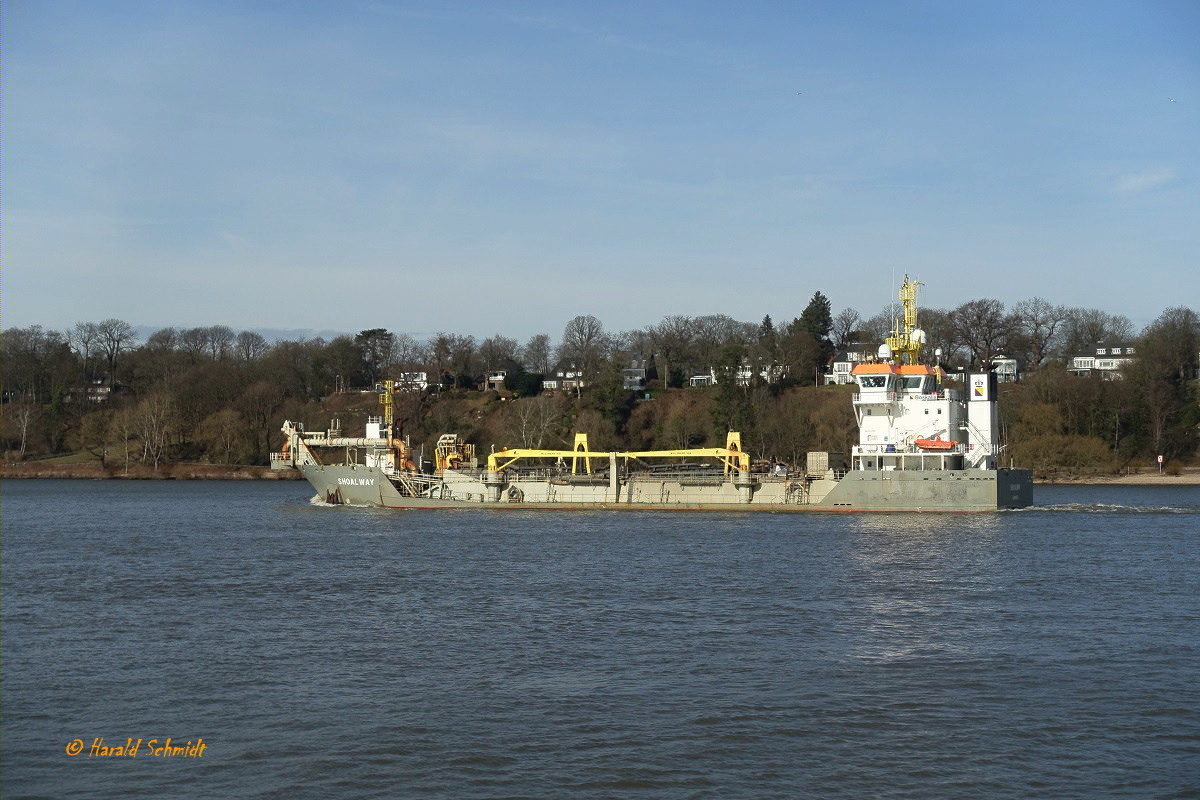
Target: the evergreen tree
(816, 321)
(767, 340)
(817, 318)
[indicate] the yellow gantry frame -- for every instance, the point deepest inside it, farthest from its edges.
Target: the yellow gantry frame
(731, 455)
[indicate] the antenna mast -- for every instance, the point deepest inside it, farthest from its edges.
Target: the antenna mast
(903, 341)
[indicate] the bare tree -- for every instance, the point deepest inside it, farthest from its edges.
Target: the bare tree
(220, 339)
(878, 327)
(36, 362)
(95, 434)
(250, 346)
(800, 353)
(24, 414)
(166, 339)
(440, 348)
(682, 427)
(940, 334)
(531, 420)
(85, 340)
(194, 342)
(1039, 324)
(638, 342)
(452, 355)
(410, 354)
(496, 351)
(1174, 338)
(122, 431)
(463, 359)
(714, 332)
(584, 343)
(535, 355)
(1164, 371)
(844, 325)
(673, 340)
(341, 357)
(156, 420)
(258, 405)
(1086, 326)
(115, 338)
(222, 433)
(982, 326)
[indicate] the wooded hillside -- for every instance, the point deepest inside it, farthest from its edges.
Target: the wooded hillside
(210, 395)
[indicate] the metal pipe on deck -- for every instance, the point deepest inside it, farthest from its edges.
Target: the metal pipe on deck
(346, 442)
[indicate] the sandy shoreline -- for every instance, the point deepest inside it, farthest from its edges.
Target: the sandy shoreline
(1189, 477)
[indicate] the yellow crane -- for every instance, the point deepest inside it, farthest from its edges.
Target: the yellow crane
(731, 455)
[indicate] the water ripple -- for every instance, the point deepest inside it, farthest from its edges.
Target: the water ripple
(365, 654)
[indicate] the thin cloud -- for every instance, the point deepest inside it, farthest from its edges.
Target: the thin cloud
(1143, 181)
(603, 38)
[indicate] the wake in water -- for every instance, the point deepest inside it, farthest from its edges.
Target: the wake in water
(1112, 508)
(317, 500)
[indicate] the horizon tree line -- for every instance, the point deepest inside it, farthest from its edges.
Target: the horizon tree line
(221, 385)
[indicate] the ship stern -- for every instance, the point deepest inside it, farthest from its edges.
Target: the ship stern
(1014, 488)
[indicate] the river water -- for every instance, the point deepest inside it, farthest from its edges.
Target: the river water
(333, 652)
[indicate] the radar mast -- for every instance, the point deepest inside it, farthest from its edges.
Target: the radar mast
(907, 339)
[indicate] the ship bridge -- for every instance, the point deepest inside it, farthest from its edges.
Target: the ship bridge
(909, 419)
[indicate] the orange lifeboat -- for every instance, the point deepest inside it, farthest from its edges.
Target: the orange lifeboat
(936, 443)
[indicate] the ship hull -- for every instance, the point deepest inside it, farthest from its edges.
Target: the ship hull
(856, 491)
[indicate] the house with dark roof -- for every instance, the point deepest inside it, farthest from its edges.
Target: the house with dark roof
(494, 381)
(99, 390)
(1105, 359)
(566, 376)
(641, 370)
(843, 361)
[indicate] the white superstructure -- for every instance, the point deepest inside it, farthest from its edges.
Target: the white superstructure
(908, 419)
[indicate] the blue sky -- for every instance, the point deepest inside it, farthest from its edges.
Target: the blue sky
(501, 167)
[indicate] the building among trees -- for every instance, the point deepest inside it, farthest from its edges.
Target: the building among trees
(1105, 359)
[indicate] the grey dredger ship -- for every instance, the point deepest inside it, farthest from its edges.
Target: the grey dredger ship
(922, 447)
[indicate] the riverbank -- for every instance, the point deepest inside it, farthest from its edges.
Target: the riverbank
(1189, 476)
(165, 472)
